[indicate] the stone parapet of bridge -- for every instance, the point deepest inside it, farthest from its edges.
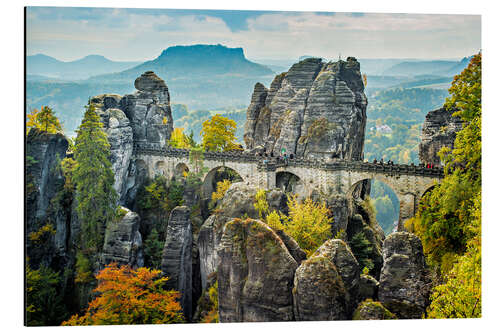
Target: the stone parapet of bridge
(409, 182)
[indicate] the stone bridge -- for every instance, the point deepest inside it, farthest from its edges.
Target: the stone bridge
(409, 182)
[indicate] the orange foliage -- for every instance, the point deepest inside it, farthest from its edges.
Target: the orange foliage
(130, 296)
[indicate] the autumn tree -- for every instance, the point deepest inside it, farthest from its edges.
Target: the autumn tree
(44, 119)
(130, 296)
(218, 134)
(93, 177)
(179, 139)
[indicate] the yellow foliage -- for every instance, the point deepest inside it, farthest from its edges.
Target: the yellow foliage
(178, 139)
(213, 315)
(44, 120)
(222, 188)
(261, 203)
(218, 134)
(39, 235)
(274, 220)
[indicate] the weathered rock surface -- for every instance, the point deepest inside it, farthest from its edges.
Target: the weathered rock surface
(318, 291)
(142, 117)
(315, 110)
(292, 246)
(44, 151)
(120, 137)
(368, 287)
(255, 274)
(370, 310)
(237, 202)
(404, 284)
(176, 260)
(123, 241)
(339, 253)
(439, 130)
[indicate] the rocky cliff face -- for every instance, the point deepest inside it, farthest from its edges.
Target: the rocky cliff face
(255, 274)
(176, 260)
(123, 241)
(404, 284)
(439, 130)
(314, 110)
(142, 117)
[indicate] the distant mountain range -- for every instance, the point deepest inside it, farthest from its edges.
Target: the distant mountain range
(45, 66)
(203, 77)
(195, 61)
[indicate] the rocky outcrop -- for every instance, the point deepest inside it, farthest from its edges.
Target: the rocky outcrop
(404, 284)
(149, 110)
(120, 137)
(339, 253)
(439, 130)
(368, 287)
(142, 117)
(318, 291)
(315, 110)
(370, 310)
(237, 202)
(43, 153)
(176, 260)
(123, 241)
(255, 274)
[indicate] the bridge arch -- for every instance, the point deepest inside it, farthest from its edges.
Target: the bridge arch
(180, 170)
(289, 182)
(216, 175)
(384, 197)
(160, 169)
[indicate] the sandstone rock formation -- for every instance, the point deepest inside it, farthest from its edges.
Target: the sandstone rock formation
(44, 151)
(123, 241)
(318, 291)
(314, 110)
(237, 202)
(176, 260)
(368, 287)
(370, 310)
(142, 117)
(339, 253)
(439, 130)
(255, 274)
(44, 181)
(404, 284)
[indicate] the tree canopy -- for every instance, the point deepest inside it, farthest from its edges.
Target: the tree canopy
(218, 134)
(130, 296)
(44, 119)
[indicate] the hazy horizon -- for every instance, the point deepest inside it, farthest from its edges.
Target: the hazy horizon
(120, 34)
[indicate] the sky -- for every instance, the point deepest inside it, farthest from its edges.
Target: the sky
(70, 33)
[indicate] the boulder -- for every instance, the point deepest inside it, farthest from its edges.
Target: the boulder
(176, 260)
(123, 241)
(439, 130)
(368, 287)
(255, 274)
(404, 283)
(340, 255)
(370, 310)
(315, 110)
(318, 291)
(292, 246)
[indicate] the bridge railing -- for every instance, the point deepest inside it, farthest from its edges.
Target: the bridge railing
(272, 163)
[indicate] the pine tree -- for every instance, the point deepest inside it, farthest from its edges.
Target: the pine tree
(93, 176)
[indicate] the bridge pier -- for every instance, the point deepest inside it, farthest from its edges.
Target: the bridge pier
(407, 209)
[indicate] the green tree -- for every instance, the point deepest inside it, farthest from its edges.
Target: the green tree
(218, 134)
(153, 248)
(44, 303)
(93, 177)
(362, 250)
(446, 214)
(44, 119)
